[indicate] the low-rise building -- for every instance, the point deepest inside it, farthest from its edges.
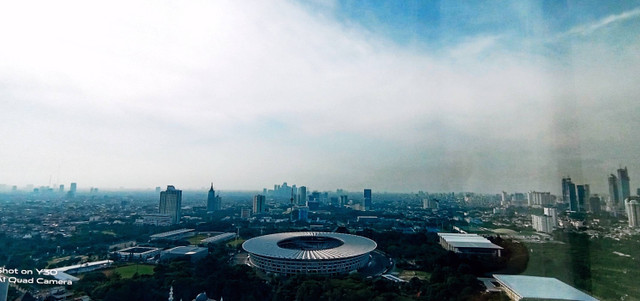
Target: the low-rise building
(138, 253)
(193, 253)
(174, 235)
(471, 244)
(529, 288)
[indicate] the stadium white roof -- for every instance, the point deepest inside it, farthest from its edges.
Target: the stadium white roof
(543, 288)
(460, 240)
(267, 246)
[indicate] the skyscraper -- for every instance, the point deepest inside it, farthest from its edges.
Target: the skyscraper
(258, 203)
(214, 202)
(569, 193)
(367, 199)
(170, 203)
(72, 190)
(623, 184)
(594, 203)
(302, 196)
(582, 197)
(614, 195)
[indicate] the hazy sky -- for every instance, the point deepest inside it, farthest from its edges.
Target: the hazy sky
(393, 95)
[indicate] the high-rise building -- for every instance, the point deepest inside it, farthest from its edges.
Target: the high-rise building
(171, 203)
(569, 193)
(542, 223)
(553, 213)
(623, 183)
(344, 200)
(367, 199)
(214, 203)
(303, 214)
(582, 198)
(614, 194)
(632, 207)
(61, 188)
(72, 190)
(504, 201)
(302, 196)
(539, 199)
(259, 204)
(594, 203)
(430, 204)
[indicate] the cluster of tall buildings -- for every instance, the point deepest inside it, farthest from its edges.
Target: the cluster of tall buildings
(171, 203)
(620, 200)
(576, 196)
(619, 190)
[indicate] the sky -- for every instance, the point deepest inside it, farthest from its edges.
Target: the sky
(396, 96)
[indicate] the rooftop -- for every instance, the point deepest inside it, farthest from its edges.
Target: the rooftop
(460, 240)
(186, 250)
(171, 233)
(219, 238)
(534, 287)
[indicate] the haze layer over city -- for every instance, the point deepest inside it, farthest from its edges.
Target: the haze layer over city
(395, 96)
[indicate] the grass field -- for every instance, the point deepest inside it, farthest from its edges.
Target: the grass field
(591, 266)
(56, 260)
(128, 271)
(194, 240)
(236, 242)
(408, 274)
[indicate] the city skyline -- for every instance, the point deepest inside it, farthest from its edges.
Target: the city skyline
(393, 96)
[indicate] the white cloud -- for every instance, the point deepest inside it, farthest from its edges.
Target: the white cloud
(162, 93)
(587, 29)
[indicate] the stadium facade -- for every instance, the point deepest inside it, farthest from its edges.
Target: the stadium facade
(323, 253)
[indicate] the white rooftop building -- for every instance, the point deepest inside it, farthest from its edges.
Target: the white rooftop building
(471, 244)
(524, 288)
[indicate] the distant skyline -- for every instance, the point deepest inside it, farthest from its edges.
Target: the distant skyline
(395, 96)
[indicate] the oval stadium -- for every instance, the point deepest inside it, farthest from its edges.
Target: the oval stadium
(324, 253)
